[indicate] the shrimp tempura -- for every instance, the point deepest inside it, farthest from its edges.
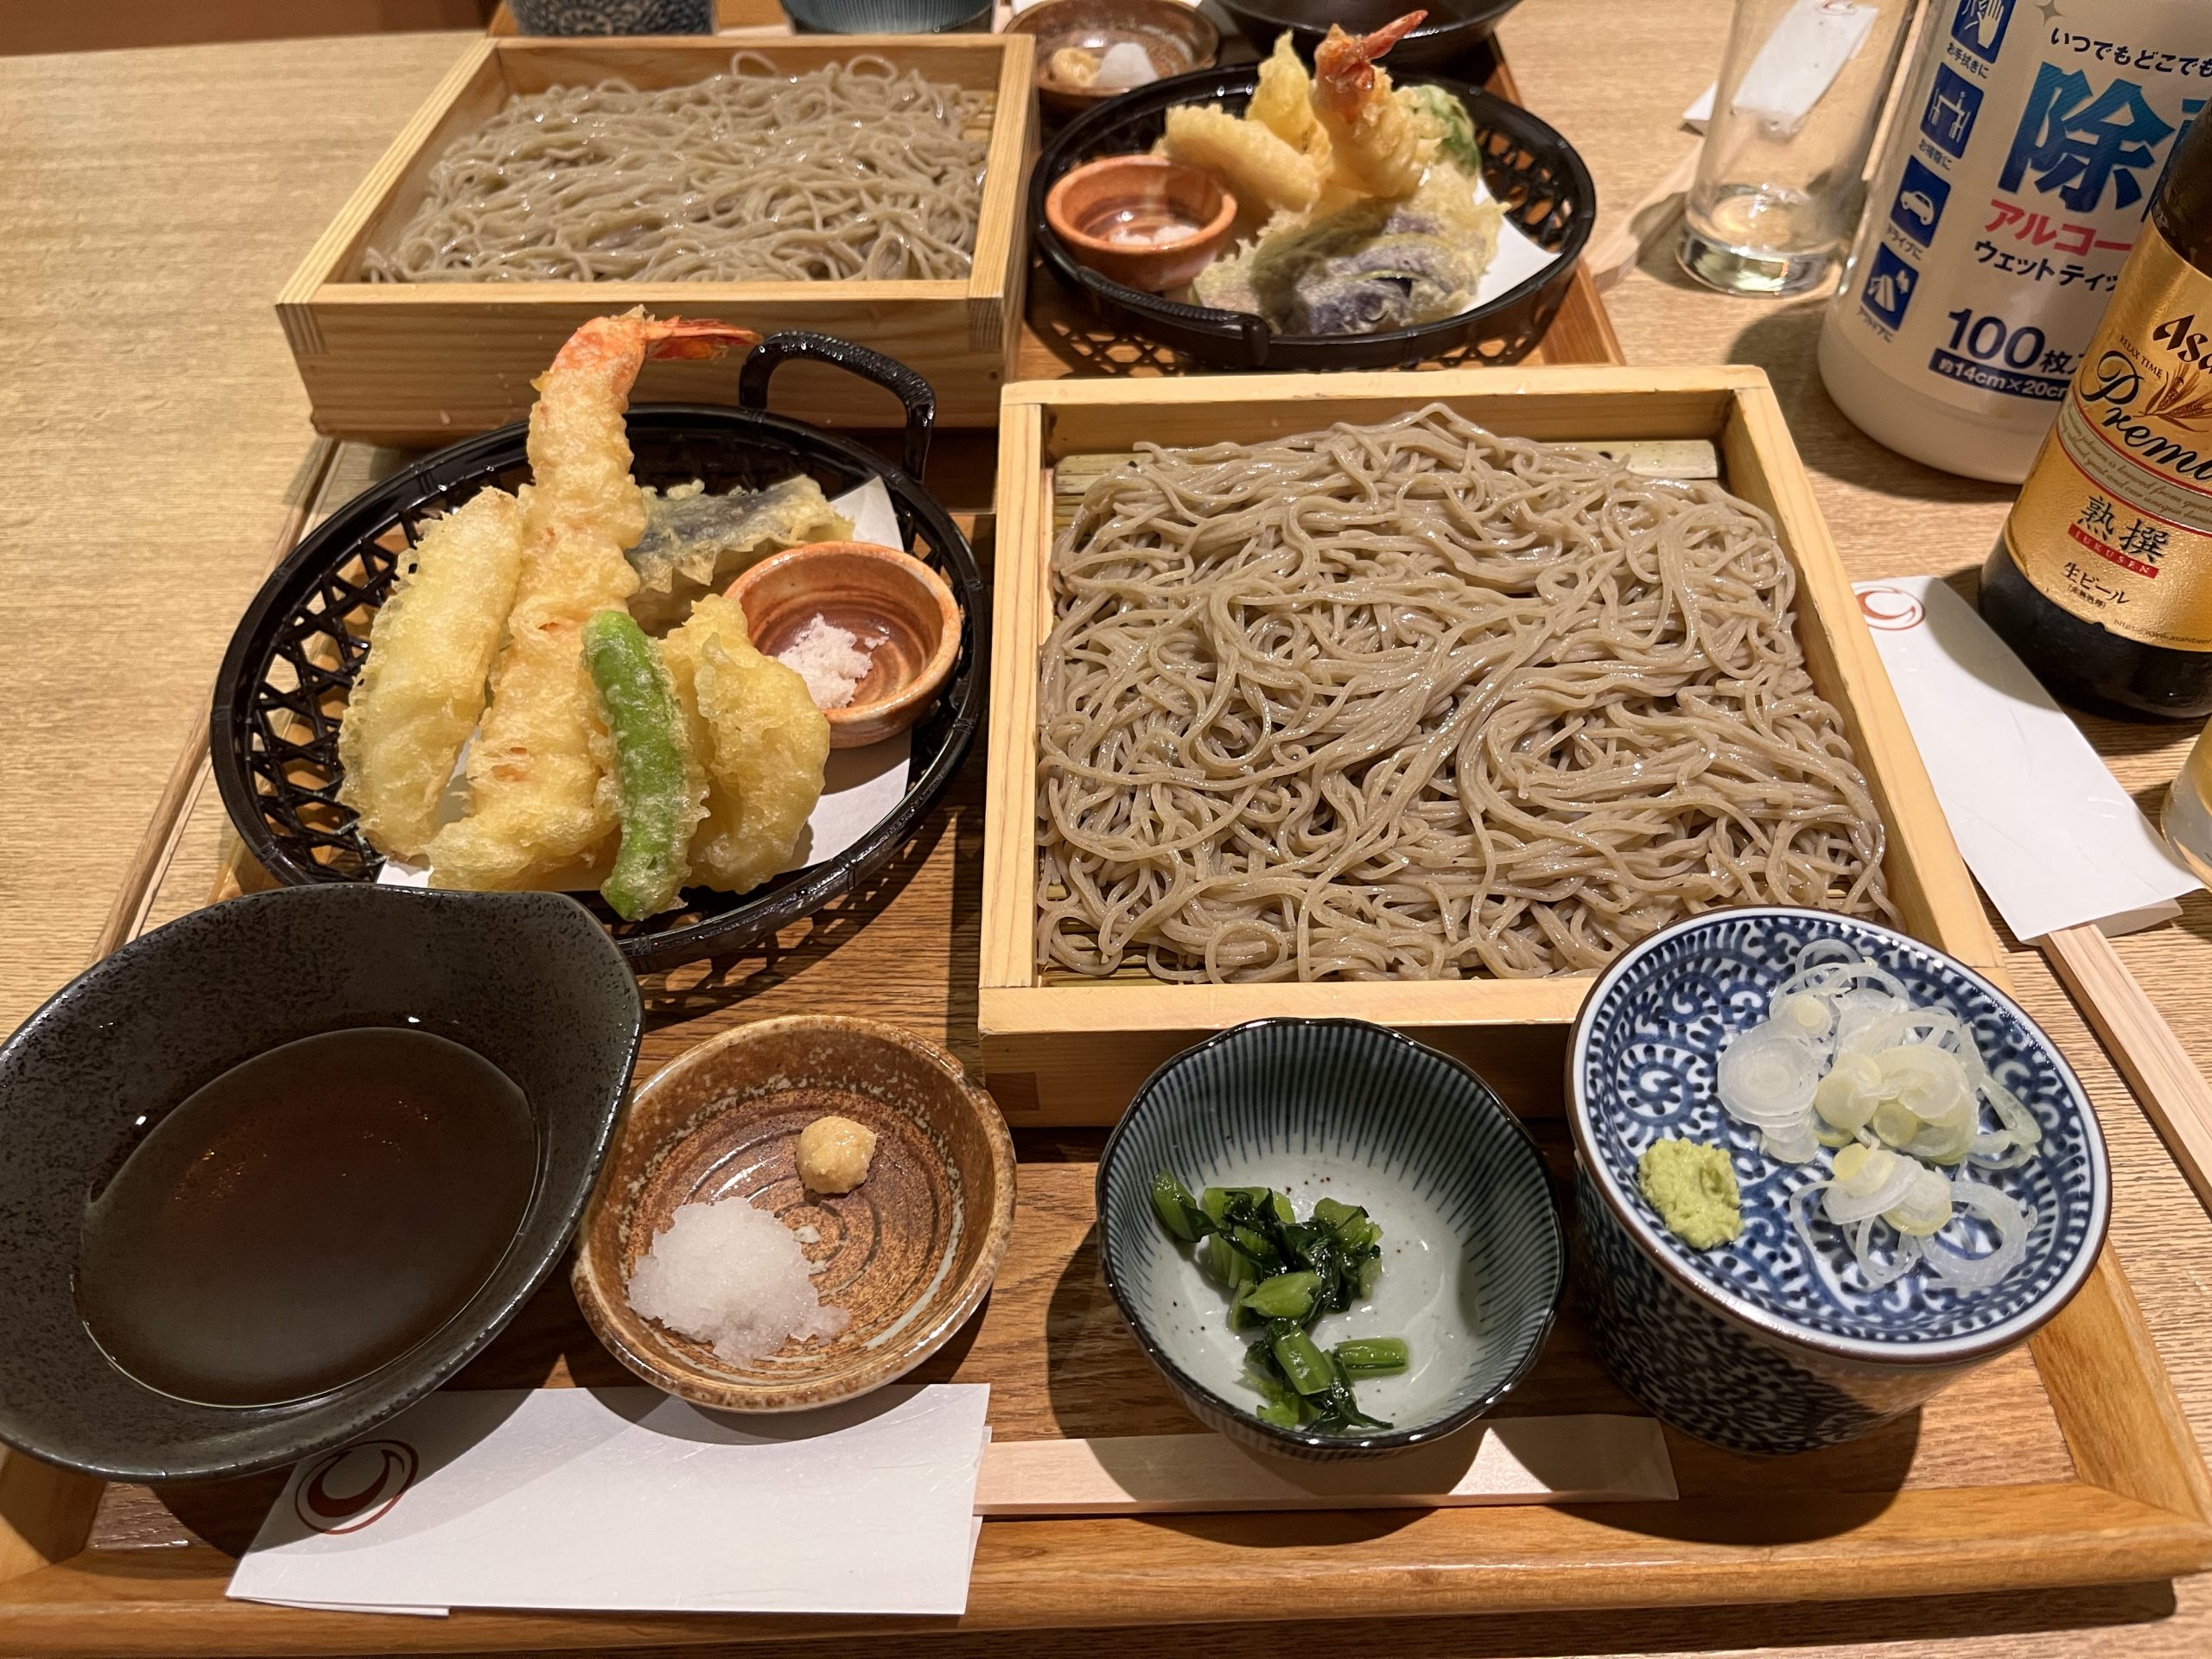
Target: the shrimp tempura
(539, 773)
(1376, 145)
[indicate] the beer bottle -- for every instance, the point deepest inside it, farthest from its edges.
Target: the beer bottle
(2102, 580)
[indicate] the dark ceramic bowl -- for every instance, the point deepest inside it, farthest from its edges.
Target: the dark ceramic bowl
(1762, 1345)
(1472, 1256)
(1452, 30)
(888, 16)
(1178, 38)
(575, 18)
(528, 981)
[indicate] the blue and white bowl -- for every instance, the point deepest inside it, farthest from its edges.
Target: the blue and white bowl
(1761, 1345)
(1473, 1259)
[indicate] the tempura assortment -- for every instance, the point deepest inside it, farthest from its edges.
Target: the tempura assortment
(1363, 202)
(522, 628)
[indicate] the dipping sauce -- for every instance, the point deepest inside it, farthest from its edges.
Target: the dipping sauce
(307, 1216)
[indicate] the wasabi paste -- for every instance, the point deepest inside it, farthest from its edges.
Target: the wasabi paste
(1694, 1189)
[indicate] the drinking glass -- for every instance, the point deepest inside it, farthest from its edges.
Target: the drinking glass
(2186, 819)
(1779, 182)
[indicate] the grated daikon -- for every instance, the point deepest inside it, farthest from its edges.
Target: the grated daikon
(733, 1276)
(833, 661)
(1126, 64)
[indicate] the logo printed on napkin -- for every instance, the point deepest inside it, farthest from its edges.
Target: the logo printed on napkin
(348, 1488)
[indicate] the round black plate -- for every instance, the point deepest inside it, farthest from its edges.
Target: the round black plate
(1535, 173)
(1447, 34)
(278, 700)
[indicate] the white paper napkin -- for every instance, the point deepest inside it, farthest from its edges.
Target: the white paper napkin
(628, 1500)
(2041, 821)
(1519, 257)
(1799, 60)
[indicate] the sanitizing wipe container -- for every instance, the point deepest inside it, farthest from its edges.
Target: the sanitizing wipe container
(2020, 161)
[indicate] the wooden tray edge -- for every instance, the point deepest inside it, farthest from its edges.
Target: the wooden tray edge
(1959, 1540)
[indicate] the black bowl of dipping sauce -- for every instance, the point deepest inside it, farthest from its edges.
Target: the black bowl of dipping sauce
(271, 1174)
(1452, 30)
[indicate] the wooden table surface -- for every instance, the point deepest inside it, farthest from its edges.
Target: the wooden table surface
(152, 203)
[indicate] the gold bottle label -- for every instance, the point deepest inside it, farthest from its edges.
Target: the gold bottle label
(2115, 524)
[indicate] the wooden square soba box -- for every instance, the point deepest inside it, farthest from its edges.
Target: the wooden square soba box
(425, 363)
(1062, 1048)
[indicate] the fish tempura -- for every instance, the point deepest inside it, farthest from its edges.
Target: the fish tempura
(763, 740)
(539, 794)
(422, 689)
(1263, 172)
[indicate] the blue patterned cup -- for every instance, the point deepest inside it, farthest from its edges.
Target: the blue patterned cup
(613, 16)
(1761, 1345)
(1472, 1256)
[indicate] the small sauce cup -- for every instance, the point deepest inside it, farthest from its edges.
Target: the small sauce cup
(877, 594)
(1141, 220)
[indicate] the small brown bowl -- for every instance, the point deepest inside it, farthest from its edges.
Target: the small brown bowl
(1142, 195)
(1178, 38)
(875, 592)
(909, 1253)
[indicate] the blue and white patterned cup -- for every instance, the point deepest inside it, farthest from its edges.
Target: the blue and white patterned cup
(613, 16)
(1758, 1346)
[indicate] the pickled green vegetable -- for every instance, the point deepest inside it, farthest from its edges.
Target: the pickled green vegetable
(1285, 1275)
(1173, 1203)
(1286, 1296)
(1372, 1356)
(658, 779)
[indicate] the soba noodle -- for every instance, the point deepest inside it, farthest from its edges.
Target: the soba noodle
(853, 170)
(1415, 701)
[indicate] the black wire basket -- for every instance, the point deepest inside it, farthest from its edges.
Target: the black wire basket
(1535, 174)
(291, 663)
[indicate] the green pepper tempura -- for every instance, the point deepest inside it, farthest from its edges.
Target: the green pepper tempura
(662, 784)
(1285, 1275)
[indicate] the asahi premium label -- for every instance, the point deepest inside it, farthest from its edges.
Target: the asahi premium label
(2026, 149)
(2115, 524)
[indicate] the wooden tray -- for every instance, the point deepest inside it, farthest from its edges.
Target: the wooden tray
(2067, 1463)
(1073, 1050)
(424, 363)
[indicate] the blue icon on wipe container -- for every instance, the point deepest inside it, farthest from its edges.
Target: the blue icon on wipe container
(1953, 103)
(1920, 195)
(1889, 288)
(1979, 26)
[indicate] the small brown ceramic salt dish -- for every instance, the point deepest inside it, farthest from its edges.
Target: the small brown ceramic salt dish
(898, 609)
(909, 1253)
(1142, 221)
(1176, 36)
